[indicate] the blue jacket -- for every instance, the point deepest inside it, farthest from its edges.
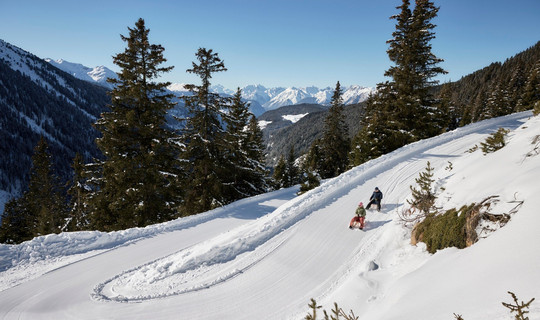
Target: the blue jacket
(377, 195)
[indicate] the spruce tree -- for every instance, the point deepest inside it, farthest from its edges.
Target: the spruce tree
(245, 158)
(423, 197)
(286, 173)
(206, 148)
(292, 173)
(255, 151)
(334, 144)
(41, 209)
(140, 172)
(403, 110)
(79, 193)
(44, 199)
(17, 222)
(530, 98)
(280, 174)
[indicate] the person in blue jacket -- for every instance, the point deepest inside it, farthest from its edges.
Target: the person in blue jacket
(376, 198)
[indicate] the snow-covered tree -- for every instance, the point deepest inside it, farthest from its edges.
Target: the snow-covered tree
(140, 171)
(243, 136)
(206, 147)
(335, 143)
(403, 110)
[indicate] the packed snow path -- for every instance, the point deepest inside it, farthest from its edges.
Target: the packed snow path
(261, 258)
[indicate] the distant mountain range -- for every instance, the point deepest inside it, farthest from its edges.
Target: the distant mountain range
(261, 99)
(274, 98)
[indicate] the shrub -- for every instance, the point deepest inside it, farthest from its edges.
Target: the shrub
(495, 141)
(443, 230)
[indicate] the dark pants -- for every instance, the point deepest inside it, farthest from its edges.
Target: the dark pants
(374, 201)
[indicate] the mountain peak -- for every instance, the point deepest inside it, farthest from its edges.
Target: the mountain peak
(97, 75)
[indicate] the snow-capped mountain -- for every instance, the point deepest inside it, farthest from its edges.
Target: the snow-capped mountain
(98, 74)
(293, 95)
(289, 97)
(261, 98)
(274, 98)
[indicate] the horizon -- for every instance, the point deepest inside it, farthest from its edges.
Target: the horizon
(311, 43)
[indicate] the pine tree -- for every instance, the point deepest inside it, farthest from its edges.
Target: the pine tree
(530, 97)
(286, 173)
(41, 209)
(280, 174)
(335, 144)
(43, 198)
(423, 197)
(140, 171)
(78, 192)
(206, 147)
(244, 138)
(292, 171)
(17, 222)
(403, 110)
(311, 180)
(255, 151)
(313, 157)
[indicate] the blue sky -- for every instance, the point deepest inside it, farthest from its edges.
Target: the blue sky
(274, 43)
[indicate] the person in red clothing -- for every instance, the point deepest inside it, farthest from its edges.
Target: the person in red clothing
(360, 216)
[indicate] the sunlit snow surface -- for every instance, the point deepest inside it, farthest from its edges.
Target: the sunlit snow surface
(265, 257)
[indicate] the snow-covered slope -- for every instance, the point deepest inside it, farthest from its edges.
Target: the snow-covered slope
(265, 257)
(98, 74)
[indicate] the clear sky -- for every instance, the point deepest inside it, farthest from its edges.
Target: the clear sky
(271, 42)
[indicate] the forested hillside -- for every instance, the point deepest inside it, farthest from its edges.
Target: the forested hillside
(495, 90)
(301, 134)
(498, 89)
(43, 101)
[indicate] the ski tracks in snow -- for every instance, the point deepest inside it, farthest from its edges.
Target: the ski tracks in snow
(222, 258)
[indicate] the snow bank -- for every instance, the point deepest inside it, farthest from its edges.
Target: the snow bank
(19, 263)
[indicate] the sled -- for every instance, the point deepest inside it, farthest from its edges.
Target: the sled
(357, 223)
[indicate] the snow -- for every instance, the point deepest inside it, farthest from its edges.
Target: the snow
(263, 123)
(274, 98)
(294, 118)
(266, 256)
(98, 74)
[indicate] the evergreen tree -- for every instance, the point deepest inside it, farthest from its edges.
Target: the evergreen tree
(280, 173)
(78, 192)
(140, 172)
(41, 209)
(206, 148)
(244, 139)
(292, 171)
(423, 197)
(255, 151)
(44, 199)
(403, 110)
(17, 222)
(313, 157)
(311, 181)
(530, 97)
(335, 144)
(286, 173)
